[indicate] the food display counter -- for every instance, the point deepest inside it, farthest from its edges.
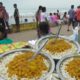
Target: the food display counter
(58, 59)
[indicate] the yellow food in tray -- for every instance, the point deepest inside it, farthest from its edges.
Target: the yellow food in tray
(19, 44)
(8, 47)
(23, 68)
(57, 46)
(73, 68)
(1, 51)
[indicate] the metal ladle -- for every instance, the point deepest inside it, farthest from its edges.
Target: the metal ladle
(57, 35)
(38, 51)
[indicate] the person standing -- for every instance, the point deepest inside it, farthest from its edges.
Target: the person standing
(78, 16)
(71, 14)
(38, 14)
(58, 15)
(44, 26)
(43, 15)
(16, 17)
(6, 20)
(65, 18)
(44, 29)
(38, 19)
(2, 22)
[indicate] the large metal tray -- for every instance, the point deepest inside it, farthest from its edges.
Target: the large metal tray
(48, 58)
(42, 40)
(60, 63)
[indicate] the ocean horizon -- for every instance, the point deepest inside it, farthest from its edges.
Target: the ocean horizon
(29, 14)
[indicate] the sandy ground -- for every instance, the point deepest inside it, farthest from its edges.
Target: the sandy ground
(32, 34)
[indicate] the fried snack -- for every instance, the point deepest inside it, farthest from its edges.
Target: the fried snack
(73, 68)
(57, 46)
(23, 68)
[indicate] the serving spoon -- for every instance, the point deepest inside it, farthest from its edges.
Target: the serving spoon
(38, 51)
(57, 35)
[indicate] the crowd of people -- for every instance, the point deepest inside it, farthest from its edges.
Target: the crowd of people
(72, 17)
(42, 19)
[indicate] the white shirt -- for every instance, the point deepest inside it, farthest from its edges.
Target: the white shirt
(43, 17)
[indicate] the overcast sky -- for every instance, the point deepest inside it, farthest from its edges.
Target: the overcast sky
(31, 4)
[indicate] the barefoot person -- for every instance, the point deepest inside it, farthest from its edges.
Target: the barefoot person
(16, 17)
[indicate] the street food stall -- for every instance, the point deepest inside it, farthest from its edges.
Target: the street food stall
(59, 59)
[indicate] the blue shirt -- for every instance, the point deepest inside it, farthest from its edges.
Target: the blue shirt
(71, 14)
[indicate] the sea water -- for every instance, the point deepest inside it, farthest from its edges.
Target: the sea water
(28, 15)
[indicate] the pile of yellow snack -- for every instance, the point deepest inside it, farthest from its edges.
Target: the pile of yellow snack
(73, 68)
(8, 47)
(57, 46)
(23, 68)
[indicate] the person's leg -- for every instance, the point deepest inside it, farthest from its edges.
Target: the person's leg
(69, 23)
(74, 23)
(79, 24)
(17, 25)
(37, 27)
(3, 29)
(7, 24)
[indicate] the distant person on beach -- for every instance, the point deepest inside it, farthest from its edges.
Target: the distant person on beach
(71, 14)
(58, 14)
(78, 16)
(65, 18)
(16, 17)
(38, 14)
(38, 19)
(2, 22)
(43, 15)
(44, 28)
(53, 19)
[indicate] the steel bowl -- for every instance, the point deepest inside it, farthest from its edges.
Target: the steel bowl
(60, 63)
(48, 58)
(42, 40)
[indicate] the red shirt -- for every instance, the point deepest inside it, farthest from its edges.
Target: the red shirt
(3, 13)
(78, 14)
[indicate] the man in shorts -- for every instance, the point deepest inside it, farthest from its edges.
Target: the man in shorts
(71, 14)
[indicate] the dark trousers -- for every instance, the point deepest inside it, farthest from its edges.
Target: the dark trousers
(78, 22)
(72, 21)
(7, 24)
(17, 24)
(3, 28)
